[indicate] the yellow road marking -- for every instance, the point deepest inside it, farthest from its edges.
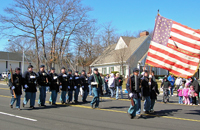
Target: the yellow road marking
(5, 88)
(88, 107)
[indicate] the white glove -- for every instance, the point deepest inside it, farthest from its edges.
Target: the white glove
(150, 76)
(13, 87)
(149, 83)
(142, 73)
(25, 86)
(47, 88)
(60, 87)
(68, 87)
(24, 90)
(82, 86)
(130, 94)
(75, 87)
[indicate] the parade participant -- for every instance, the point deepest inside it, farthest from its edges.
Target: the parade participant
(54, 87)
(77, 84)
(84, 84)
(134, 90)
(96, 83)
(145, 91)
(43, 81)
(89, 86)
(70, 86)
(171, 79)
(30, 79)
(16, 83)
(153, 91)
(63, 82)
(118, 86)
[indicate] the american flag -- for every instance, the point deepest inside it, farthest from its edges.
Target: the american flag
(174, 47)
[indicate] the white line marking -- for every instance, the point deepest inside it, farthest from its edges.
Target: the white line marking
(25, 118)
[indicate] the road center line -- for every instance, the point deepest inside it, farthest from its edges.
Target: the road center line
(25, 118)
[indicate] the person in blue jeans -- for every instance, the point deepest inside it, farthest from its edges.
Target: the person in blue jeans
(118, 86)
(96, 82)
(16, 88)
(134, 90)
(84, 85)
(111, 84)
(171, 79)
(30, 89)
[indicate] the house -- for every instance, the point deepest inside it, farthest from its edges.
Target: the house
(125, 55)
(15, 59)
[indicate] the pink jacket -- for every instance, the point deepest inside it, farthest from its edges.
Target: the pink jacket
(180, 92)
(185, 92)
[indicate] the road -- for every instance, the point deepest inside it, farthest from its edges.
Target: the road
(111, 116)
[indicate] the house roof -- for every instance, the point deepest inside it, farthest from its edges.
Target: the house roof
(10, 56)
(110, 55)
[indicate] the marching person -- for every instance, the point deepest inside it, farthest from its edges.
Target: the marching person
(30, 79)
(145, 92)
(84, 84)
(43, 81)
(63, 82)
(153, 91)
(118, 86)
(16, 88)
(77, 84)
(54, 87)
(134, 90)
(96, 83)
(70, 86)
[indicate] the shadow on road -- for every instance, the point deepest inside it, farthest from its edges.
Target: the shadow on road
(194, 112)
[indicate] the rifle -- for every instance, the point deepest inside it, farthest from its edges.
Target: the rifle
(132, 102)
(11, 77)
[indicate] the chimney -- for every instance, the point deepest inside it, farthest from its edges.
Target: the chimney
(144, 33)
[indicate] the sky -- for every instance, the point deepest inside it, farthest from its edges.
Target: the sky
(134, 15)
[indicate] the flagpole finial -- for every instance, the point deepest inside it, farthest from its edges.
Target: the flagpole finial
(158, 12)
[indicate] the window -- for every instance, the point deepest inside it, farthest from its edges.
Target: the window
(111, 69)
(6, 64)
(104, 70)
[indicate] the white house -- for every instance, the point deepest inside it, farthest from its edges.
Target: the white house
(15, 59)
(128, 51)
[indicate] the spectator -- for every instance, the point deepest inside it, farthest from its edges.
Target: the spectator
(111, 84)
(186, 93)
(106, 83)
(180, 94)
(192, 96)
(171, 79)
(178, 83)
(118, 85)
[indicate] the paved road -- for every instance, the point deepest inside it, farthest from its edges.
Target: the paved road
(111, 115)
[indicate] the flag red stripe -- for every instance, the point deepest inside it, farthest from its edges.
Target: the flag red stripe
(182, 59)
(197, 31)
(170, 62)
(163, 67)
(185, 34)
(185, 43)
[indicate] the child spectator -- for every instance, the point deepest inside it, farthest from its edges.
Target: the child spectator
(192, 95)
(186, 93)
(180, 94)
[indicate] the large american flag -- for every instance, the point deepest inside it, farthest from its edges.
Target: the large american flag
(174, 47)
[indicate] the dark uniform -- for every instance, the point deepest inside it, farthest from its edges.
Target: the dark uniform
(16, 86)
(63, 81)
(77, 84)
(153, 92)
(70, 86)
(30, 79)
(134, 92)
(43, 81)
(84, 85)
(95, 88)
(54, 87)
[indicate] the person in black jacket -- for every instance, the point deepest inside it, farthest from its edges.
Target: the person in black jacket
(63, 82)
(54, 88)
(133, 88)
(153, 91)
(30, 79)
(118, 85)
(70, 86)
(145, 91)
(196, 86)
(84, 84)
(43, 81)
(16, 86)
(166, 86)
(77, 85)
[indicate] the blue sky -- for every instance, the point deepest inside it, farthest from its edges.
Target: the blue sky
(134, 15)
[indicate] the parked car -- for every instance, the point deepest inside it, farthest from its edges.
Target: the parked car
(0, 76)
(5, 74)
